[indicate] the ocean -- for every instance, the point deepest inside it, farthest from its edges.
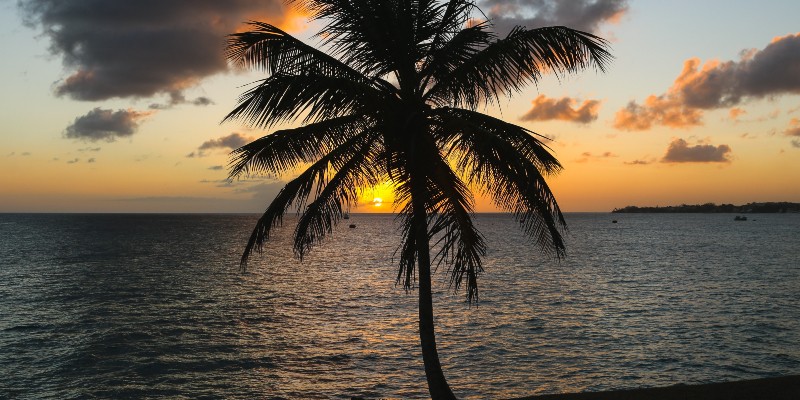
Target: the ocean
(101, 306)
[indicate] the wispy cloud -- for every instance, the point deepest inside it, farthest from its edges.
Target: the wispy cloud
(638, 162)
(565, 109)
(769, 72)
(586, 156)
(736, 112)
(794, 128)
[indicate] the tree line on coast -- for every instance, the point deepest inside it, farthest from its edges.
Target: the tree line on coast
(769, 207)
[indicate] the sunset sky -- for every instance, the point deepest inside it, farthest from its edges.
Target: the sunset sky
(115, 106)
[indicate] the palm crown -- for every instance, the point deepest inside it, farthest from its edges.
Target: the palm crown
(394, 98)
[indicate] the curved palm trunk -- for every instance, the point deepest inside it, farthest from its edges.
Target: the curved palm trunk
(437, 384)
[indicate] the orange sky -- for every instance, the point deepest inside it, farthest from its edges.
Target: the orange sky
(690, 111)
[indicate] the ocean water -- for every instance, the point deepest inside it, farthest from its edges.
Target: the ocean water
(154, 306)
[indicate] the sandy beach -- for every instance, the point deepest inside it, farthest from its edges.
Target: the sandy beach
(780, 388)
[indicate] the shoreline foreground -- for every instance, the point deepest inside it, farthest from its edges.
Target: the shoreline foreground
(780, 388)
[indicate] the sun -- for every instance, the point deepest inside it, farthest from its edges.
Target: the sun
(377, 201)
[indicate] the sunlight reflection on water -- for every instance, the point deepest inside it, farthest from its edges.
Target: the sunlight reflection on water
(115, 306)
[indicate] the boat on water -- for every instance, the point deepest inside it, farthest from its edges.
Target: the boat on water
(346, 216)
(740, 218)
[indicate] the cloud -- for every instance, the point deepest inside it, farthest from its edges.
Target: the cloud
(585, 15)
(758, 74)
(91, 160)
(145, 47)
(100, 124)
(176, 98)
(252, 200)
(735, 113)
(216, 167)
(660, 110)
(637, 162)
(562, 109)
(232, 141)
(73, 161)
(794, 128)
(679, 151)
(586, 156)
(796, 143)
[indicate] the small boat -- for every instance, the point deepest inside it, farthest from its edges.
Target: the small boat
(740, 218)
(346, 216)
(614, 221)
(352, 225)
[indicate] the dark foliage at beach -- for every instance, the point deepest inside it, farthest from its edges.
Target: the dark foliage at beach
(770, 207)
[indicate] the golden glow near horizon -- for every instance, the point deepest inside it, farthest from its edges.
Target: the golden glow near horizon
(655, 129)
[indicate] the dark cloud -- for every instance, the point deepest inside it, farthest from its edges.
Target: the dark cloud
(232, 141)
(92, 149)
(73, 161)
(145, 47)
(100, 124)
(637, 162)
(216, 167)
(585, 15)
(796, 143)
(565, 109)
(772, 71)
(91, 160)
(679, 151)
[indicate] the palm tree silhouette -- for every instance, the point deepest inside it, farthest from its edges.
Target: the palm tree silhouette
(393, 98)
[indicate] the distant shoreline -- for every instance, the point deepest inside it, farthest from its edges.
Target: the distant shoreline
(780, 388)
(771, 207)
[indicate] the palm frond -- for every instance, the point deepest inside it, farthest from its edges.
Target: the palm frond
(447, 202)
(339, 193)
(274, 51)
(461, 245)
(527, 142)
(284, 150)
(285, 98)
(507, 65)
(446, 57)
(297, 192)
(511, 174)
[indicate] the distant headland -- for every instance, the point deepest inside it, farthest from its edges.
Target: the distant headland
(777, 207)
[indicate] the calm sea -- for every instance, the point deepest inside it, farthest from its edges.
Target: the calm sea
(153, 306)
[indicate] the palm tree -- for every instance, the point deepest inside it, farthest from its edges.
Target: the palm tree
(393, 98)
